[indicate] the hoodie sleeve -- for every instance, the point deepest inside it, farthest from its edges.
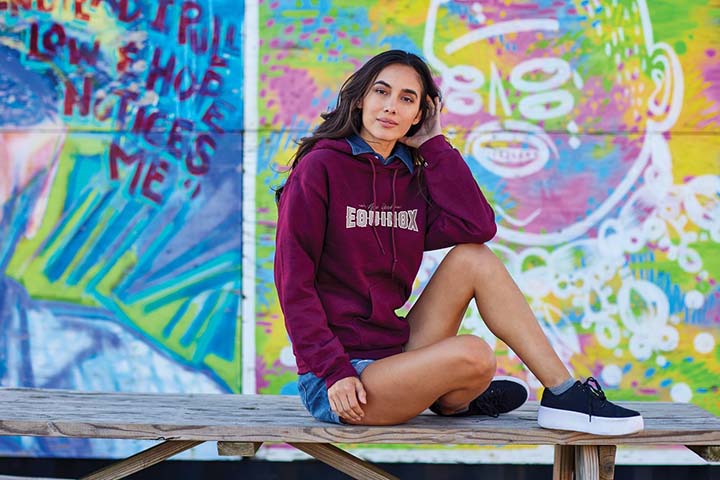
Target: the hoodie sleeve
(302, 220)
(458, 211)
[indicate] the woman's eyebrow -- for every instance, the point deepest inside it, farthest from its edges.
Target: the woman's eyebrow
(406, 90)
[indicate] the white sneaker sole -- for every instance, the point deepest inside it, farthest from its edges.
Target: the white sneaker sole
(581, 422)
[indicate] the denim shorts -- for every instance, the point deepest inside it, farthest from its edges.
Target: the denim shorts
(314, 393)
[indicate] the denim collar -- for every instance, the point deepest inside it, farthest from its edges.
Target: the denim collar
(401, 152)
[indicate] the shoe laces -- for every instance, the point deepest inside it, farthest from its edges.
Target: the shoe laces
(489, 404)
(594, 391)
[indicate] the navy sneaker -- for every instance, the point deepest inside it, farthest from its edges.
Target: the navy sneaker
(584, 408)
(503, 395)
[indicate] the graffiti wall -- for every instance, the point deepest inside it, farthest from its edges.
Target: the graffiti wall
(591, 126)
(140, 142)
(120, 199)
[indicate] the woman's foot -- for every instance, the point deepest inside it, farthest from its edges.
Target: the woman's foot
(503, 395)
(584, 408)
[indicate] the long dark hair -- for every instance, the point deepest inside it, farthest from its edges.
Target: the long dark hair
(346, 118)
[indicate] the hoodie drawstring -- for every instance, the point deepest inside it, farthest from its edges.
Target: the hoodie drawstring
(374, 206)
(392, 227)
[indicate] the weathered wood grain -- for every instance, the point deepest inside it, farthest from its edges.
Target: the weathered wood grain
(270, 418)
(587, 466)
(141, 461)
(606, 458)
(564, 463)
(237, 449)
(341, 460)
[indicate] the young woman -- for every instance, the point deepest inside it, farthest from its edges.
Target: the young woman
(371, 189)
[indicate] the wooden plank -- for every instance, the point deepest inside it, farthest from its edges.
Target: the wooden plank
(341, 460)
(564, 464)
(238, 449)
(709, 454)
(276, 418)
(142, 460)
(586, 463)
(606, 459)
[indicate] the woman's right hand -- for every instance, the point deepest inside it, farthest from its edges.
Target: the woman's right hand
(344, 396)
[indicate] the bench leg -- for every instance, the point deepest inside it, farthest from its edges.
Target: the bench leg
(606, 458)
(564, 465)
(587, 466)
(595, 462)
(709, 453)
(142, 460)
(341, 460)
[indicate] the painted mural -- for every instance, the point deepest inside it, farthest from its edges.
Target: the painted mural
(140, 142)
(120, 200)
(591, 126)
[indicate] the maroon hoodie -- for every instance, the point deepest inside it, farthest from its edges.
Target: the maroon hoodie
(350, 238)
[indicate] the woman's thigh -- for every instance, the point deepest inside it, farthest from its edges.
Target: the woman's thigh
(439, 310)
(402, 386)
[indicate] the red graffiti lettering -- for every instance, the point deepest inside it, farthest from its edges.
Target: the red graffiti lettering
(54, 39)
(71, 97)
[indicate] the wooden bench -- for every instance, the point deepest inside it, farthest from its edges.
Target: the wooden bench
(241, 423)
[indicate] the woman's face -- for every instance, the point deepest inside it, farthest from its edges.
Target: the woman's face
(391, 106)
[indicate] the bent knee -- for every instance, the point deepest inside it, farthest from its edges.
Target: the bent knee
(474, 357)
(476, 258)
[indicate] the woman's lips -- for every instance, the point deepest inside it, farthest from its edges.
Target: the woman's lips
(387, 123)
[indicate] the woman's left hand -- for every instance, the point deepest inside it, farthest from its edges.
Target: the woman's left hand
(430, 128)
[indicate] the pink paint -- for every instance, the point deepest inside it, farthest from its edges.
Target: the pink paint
(711, 77)
(289, 29)
(263, 76)
(710, 52)
(327, 20)
(281, 55)
(316, 39)
(263, 92)
(308, 21)
(274, 5)
(355, 41)
(295, 92)
(274, 43)
(265, 58)
(341, 34)
(333, 52)
(304, 36)
(270, 22)
(322, 31)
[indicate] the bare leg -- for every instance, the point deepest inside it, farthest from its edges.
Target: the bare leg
(440, 366)
(474, 271)
(400, 387)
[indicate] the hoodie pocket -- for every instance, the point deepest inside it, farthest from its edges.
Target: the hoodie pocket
(382, 327)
